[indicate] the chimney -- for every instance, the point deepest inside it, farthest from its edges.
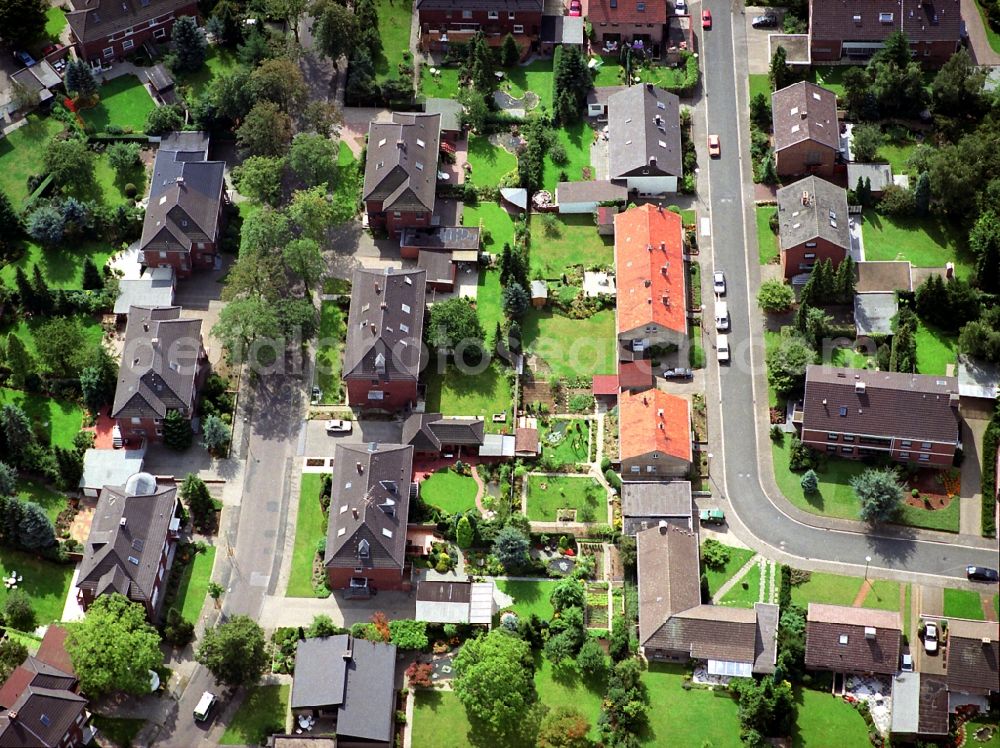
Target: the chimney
(180, 181)
(378, 288)
(803, 114)
(661, 426)
(663, 248)
(659, 412)
(122, 521)
(652, 160)
(12, 715)
(985, 640)
(953, 399)
(663, 526)
(659, 207)
(805, 197)
(859, 388)
(360, 467)
(649, 87)
(401, 145)
(348, 653)
(354, 510)
(824, 401)
(869, 632)
(373, 328)
(649, 247)
(383, 305)
(154, 342)
(145, 327)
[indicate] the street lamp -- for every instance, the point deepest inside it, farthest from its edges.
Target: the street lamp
(868, 560)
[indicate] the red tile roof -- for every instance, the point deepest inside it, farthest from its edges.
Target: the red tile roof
(643, 429)
(649, 263)
(605, 384)
(53, 649)
(627, 11)
(635, 375)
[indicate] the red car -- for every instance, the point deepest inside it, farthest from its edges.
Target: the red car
(575, 8)
(706, 19)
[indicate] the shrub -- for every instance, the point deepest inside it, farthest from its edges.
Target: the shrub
(714, 554)
(131, 190)
(558, 154)
(810, 481)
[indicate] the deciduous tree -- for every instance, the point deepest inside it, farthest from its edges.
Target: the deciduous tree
(775, 296)
(259, 178)
(453, 321)
(12, 654)
(865, 142)
(123, 157)
(266, 131)
(304, 259)
(312, 213)
(494, 679)
(787, 362)
(280, 81)
(313, 158)
(235, 651)
(879, 493)
(17, 611)
(335, 28)
(70, 163)
(21, 21)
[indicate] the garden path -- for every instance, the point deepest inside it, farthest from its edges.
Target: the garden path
(480, 492)
(729, 583)
(859, 599)
(986, 599)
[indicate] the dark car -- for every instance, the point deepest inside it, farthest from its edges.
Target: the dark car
(766, 21)
(678, 373)
(25, 59)
(982, 573)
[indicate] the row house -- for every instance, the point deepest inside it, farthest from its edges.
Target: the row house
(448, 22)
(654, 435)
(106, 31)
(638, 23)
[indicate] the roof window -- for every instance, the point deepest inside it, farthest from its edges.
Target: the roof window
(382, 142)
(133, 560)
(405, 308)
(885, 17)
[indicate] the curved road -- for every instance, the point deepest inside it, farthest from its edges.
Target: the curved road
(776, 524)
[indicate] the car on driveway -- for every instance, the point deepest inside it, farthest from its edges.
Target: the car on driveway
(766, 21)
(982, 573)
(714, 146)
(719, 282)
(25, 59)
(712, 516)
(575, 8)
(931, 637)
(337, 426)
(706, 19)
(907, 663)
(678, 373)
(680, 7)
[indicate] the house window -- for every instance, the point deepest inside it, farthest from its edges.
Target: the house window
(418, 216)
(136, 420)
(493, 15)
(810, 255)
(650, 469)
(358, 570)
(466, 14)
(634, 469)
(163, 255)
(924, 458)
(810, 244)
(109, 51)
(159, 432)
(510, 15)
(905, 443)
(160, 34)
(925, 445)
(831, 437)
(129, 31)
(376, 395)
(831, 447)
(847, 450)
(905, 455)
(848, 438)
(396, 214)
(518, 28)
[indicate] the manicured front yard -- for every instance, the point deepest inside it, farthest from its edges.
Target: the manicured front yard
(48, 499)
(456, 394)
(547, 494)
(193, 589)
(394, 31)
(767, 240)
(329, 349)
(829, 589)
(935, 349)
(309, 531)
(883, 595)
(717, 577)
(759, 83)
(925, 242)
(687, 718)
(125, 103)
(825, 721)
(62, 267)
(740, 596)
(493, 219)
(571, 240)
(945, 520)
(60, 419)
(21, 154)
(575, 139)
(571, 347)
(490, 163)
(963, 604)
(261, 714)
(45, 582)
(449, 491)
(529, 597)
(570, 440)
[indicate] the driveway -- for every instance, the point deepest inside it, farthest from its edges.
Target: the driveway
(321, 444)
(758, 49)
(979, 45)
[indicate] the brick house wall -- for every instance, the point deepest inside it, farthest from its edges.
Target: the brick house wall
(654, 333)
(645, 466)
(855, 447)
(116, 46)
(393, 222)
(339, 578)
(806, 157)
(397, 395)
(139, 428)
(490, 22)
(801, 257)
(931, 54)
(628, 32)
(74, 735)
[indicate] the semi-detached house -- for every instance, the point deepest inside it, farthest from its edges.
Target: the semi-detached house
(446, 22)
(654, 435)
(812, 225)
(644, 140)
(806, 130)
(105, 31)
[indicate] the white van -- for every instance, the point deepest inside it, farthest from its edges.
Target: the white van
(204, 706)
(721, 316)
(722, 348)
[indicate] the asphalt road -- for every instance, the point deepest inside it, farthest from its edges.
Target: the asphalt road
(730, 204)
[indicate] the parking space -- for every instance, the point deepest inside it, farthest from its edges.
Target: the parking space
(758, 56)
(320, 443)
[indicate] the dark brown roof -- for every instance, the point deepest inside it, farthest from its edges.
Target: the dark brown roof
(122, 553)
(644, 129)
(836, 639)
(38, 706)
(804, 111)
(526, 441)
(973, 654)
(369, 505)
(883, 276)
(881, 404)
(402, 160)
(922, 21)
(933, 700)
(95, 19)
(811, 208)
(385, 324)
(431, 431)
(444, 592)
(523, 6)
(53, 649)
(161, 362)
(438, 266)
(627, 11)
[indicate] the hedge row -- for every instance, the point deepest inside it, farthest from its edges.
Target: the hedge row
(990, 442)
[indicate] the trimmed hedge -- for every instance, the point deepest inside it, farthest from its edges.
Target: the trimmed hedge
(990, 441)
(40, 190)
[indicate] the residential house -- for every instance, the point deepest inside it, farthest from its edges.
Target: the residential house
(973, 658)
(40, 707)
(187, 192)
(586, 197)
(806, 131)
(812, 225)
(647, 504)
(131, 543)
(108, 467)
(857, 413)
(674, 624)
(382, 354)
(859, 641)
(446, 22)
(351, 682)
(597, 100)
(456, 602)
(106, 31)
(433, 434)
(654, 435)
(651, 307)
(644, 139)
(163, 365)
(855, 31)
(638, 23)
(366, 536)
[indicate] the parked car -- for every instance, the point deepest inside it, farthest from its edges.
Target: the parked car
(931, 637)
(205, 705)
(722, 349)
(982, 573)
(338, 426)
(575, 8)
(766, 21)
(680, 7)
(25, 59)
(706, 19)
(712, 516)
(714, 146)
(907, 664)
(317, 394)
(678, 373)
(721, 316)
(719, 282)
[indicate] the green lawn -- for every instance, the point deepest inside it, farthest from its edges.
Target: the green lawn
(329, 349)
(456, 394)
(28, 640)
(394, 30)
(945, 520)
(55, 22)
(45, 582)
(572, 241)
(767, 240)
(759, 83)
(193, 589)
(610, 73)
(119, 730)
(994, 39)
(347, 192)
(574, 445)
(21, 155)
(218, 62)
(561, 492)
(53, 502)
(489, 301)
(572, 347)
(737, 558)
(835, 497)
(660, 75)
(439, 720)
(884, 595)
(575, 139)
(494, 220)
(450, 492)
(830, 77)
(829, 589)
(125, 102)
(536, 77)
(60, 419)
(529, 597)
(309, 531)
(738, 597)
(897, 147)
(851, 358)
(825, 721)
(62, 267)
(963, 604)
(925, 242)
(444, 85)
(687, 718)
(569, 688)
(490, 163)
(110, 187)
(935, 349)
(989, 720)
(696, 354)
(260, 714)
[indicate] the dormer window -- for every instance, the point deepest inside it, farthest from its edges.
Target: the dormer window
(885, 17)
(363, 549)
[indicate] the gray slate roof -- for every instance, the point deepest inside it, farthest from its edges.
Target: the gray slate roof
(977, 378)
(110, 467)
(644, 504)
(562, 29)
(873, 313)
(450, 111)
(46, 707)
(160, 364)
(159, 77)
(369, 506)
(94, 19)
(431, 431)
(804, 111)
(798, 222)
(155, 287)
(385, 324)
(880, 175)
(598, 190)
(644, 132)
(921, 22)
(401, 163)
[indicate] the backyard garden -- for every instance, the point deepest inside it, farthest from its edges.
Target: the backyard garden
(567, 240)
(579, 499)
(449, 491)
(310, 532)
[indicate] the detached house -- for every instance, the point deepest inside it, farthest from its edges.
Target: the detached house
(366, 536)
(105, 31)
(644, 139)
(856, 413)
(446, 22)
(401, 172)
(973, 657)
(184, 212)
(654, 435)
(432, 433)
(806, 130)
(649, 263)
(850, 640)
(40, 708)
(812, 225)
(382, 355)
(635, 22)
(163, 365)
(131, 544)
